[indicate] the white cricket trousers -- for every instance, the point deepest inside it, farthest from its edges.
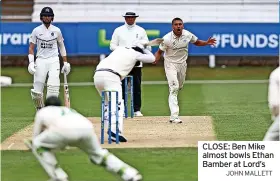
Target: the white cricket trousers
(53, 138)
(86, 140)
(107, 81)
(83, 138)
(273, 133)
(47, 67)
(175, 74)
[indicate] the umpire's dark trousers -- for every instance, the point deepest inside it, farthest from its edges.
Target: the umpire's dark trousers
(136, 72)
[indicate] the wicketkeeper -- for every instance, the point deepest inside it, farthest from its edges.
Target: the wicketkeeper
(57, 127)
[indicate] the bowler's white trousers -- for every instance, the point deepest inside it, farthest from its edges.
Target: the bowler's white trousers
(175, 74)
(107, 81)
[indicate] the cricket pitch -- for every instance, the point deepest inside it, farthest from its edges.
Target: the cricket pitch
(142, 132)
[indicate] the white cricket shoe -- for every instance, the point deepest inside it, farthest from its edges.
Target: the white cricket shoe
(176, 121)
(138, 114)
(131, 174)
(138, 177)
(57, 180)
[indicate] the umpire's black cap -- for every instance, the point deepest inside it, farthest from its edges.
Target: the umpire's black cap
(52, 101)
(130, 14)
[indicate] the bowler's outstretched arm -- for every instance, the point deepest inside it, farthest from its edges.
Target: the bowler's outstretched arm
(210, 41)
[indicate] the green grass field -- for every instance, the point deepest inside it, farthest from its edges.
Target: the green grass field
(239, 111)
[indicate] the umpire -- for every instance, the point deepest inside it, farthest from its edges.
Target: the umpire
(125, 36)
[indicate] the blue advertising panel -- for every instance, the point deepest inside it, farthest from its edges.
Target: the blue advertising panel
(94, 38)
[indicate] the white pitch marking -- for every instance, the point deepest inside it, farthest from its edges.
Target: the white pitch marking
(10, 146)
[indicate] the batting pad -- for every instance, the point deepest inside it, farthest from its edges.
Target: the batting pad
(38, 99)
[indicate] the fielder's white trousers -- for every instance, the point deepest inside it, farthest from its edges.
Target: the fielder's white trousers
(175, 74)
(86, 140)
(83, 138)
(44, 67)
(107, 81)
(273, 133)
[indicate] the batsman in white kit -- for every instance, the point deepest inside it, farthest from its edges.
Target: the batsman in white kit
(273, 133)
(57, 127)
(175, 45)
(48, 38)
(109, 74)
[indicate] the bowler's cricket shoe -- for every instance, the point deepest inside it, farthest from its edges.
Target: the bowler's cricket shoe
(176, 121)
(121, 137)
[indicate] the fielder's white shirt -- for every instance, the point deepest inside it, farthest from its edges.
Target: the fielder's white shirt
(47, 40)
(59, 119)
(123, 59)
(176, 48)
(274, 88)
(125, 35)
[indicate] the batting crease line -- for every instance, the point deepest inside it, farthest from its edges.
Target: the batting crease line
(162, 82)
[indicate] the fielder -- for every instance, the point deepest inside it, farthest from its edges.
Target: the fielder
(48, 39)
(175, 46)
(109, 74)
(274, 101)
(57, 127)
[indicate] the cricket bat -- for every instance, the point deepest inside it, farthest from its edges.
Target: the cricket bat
(66, 92)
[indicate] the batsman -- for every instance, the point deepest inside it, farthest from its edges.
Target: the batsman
(109, 74)
(47, 38)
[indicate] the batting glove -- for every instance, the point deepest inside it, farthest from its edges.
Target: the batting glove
(66, 68)
(31, 66)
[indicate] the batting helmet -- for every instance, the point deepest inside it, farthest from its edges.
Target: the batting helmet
(46, 11)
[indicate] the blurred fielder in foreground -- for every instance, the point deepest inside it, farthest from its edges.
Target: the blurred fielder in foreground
(48, 39)
(57, 127)
(274, 101)
(109, 74)
(175, 46)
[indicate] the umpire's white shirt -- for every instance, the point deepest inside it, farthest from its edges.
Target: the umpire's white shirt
(125, 35)
(176, 48)
(46, 40)
(61, 120)
(123, 59)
